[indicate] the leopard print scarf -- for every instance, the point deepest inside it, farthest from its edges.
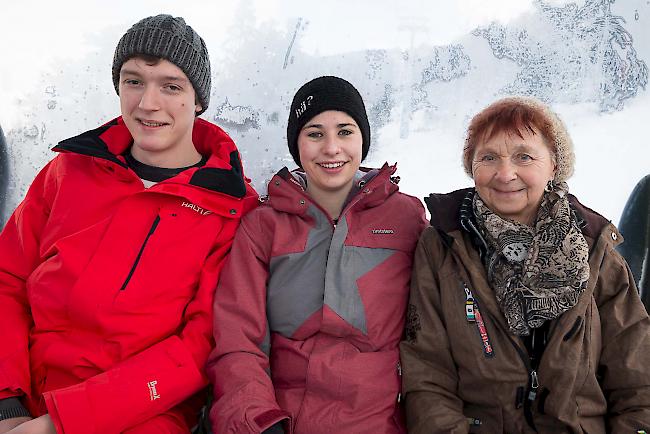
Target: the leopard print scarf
(537, 272)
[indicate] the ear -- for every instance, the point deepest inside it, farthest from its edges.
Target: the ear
(198, 108)
(554, 159)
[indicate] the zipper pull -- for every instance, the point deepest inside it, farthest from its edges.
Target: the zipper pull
(470, 314)
(534, 385)
(399, 373)
(468, 293)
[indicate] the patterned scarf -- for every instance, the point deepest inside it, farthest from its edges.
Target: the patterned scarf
(537, 272)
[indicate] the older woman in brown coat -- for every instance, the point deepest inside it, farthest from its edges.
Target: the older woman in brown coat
(523, 317)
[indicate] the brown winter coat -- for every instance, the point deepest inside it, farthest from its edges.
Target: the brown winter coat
(594, 375)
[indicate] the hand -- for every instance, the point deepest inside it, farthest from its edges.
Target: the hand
(40, 425)
(8, 424)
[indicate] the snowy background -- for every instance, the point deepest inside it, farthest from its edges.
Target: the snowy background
(424, 68)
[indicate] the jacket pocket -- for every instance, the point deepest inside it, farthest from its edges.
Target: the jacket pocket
(152, 229)
(381, 238)
(483, 419)
(573, 330)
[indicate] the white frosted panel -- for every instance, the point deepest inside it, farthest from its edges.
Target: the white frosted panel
(423, 68)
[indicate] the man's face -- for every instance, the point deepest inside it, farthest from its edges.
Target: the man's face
(158, 106)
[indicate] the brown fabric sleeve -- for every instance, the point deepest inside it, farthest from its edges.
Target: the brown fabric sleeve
(625, 357)
(429, 374)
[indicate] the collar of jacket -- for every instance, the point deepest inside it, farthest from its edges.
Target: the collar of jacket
(286, 190)
(222, 173)
(445, 210)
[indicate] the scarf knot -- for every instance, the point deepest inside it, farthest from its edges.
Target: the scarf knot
(537, 272)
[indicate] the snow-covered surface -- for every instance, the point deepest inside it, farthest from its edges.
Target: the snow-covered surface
(424, 68)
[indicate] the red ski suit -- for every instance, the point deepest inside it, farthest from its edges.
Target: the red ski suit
(308, 315)
(106, 287)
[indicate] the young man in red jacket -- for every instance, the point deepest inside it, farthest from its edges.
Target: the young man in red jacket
(108, 267)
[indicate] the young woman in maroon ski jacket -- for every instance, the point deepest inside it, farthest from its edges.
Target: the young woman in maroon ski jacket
(311, 303)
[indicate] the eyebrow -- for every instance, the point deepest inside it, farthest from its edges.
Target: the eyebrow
(524, 147)
(338, 125)
(492, 150)
(126, 71)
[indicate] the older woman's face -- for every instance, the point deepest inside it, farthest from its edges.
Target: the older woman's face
(510, 174)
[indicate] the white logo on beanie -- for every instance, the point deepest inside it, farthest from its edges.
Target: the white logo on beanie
(302, 107)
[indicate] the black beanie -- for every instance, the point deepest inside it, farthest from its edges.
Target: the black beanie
(168, 38)
(322, 94)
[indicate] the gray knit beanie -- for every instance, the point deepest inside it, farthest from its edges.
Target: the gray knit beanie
(168, 38)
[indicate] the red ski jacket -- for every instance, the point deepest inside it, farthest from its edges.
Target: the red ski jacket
(309, 314)
(106, 287)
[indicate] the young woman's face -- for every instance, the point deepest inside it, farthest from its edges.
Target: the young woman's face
(330, 146)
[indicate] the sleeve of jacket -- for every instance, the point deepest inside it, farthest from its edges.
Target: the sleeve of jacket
(429, 377)
(635, 227)
(19, 256)
(625, 356)
(422, 222)
(239, 365)
(154, 380)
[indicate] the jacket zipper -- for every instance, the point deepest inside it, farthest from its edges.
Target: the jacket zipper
(471, 308)
(137, 258)
(533, 378)
(357, 197)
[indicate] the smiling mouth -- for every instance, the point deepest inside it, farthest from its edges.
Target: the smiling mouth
(508, 191)
(151, 123)
(332, 165)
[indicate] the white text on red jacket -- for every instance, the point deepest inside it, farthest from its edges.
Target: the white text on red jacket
(196, 208)
(153, 393)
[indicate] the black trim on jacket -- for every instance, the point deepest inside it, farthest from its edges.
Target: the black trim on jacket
(230, 182)
(91, 145)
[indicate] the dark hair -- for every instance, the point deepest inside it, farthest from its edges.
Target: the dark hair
(148, 59)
